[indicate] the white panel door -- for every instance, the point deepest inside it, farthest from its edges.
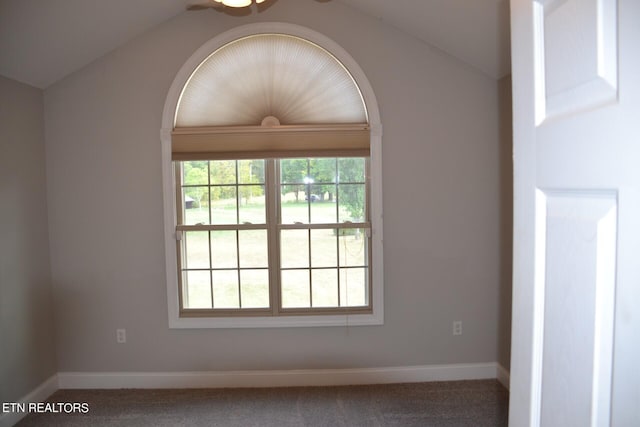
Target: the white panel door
(576, 296)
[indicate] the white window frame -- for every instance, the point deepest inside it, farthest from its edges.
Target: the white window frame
(376, 317)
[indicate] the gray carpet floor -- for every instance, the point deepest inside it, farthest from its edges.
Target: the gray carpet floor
(452, 403)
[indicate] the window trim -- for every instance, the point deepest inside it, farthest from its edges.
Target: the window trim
(375, 194)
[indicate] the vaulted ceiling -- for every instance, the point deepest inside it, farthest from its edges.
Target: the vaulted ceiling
(42, 41)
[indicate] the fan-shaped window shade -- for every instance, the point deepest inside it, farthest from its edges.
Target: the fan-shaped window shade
(316, 101)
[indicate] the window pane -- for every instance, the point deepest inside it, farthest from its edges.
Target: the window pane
(351, 170)
(223, 171)
(195, 173)
(293, 207)
(324, 287)
(294, 248)
(196, 245)
(322, 210)
(224, 205)
(251, 171)
(224, 249)
(225, 289)
(253, 249)
(324, 250)
(352, 247)
(252, 204)
(353, 287)
(292, 211)
(198, 289)
(254, 285)
(196, 205)
(323, 171)
(295, 288)
(351, 202)
(321, 189)
(293, 171)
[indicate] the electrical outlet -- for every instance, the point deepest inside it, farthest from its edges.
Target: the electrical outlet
(457, 327)
(121, 336)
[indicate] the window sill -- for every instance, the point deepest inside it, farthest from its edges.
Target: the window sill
(275, 322)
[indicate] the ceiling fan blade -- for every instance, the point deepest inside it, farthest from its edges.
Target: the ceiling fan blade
(211, 4)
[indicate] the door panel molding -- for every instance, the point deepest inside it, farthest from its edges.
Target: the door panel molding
(577, 243)
(576, 48)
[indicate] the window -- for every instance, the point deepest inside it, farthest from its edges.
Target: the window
(271, 151)
(273, 236)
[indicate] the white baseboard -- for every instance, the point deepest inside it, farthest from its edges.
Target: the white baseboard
(39, 394)
(503, 376)
(283, 378)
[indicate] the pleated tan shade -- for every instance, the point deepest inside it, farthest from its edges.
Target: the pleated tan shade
(244, 142)
(270, 75)
(286, 79)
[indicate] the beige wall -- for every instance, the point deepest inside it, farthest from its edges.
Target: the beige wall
(441, 152)
(27, 353)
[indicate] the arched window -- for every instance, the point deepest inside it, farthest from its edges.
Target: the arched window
(272, 185)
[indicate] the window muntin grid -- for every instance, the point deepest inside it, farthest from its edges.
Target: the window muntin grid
(227, 247)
